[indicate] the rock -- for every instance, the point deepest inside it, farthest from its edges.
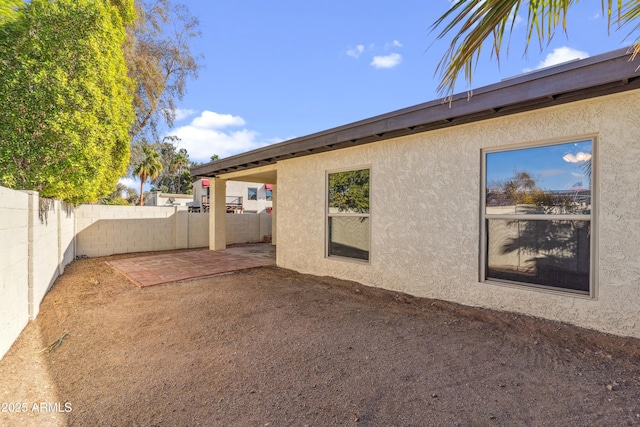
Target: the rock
(613, 386)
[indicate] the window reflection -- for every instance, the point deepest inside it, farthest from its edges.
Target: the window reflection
(552, 180)
(548, 253)
(349, 191)
(348, 214)
(252, 193)
(537, 216)
(349, 237)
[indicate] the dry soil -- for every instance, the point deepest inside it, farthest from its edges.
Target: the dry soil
(271, 347)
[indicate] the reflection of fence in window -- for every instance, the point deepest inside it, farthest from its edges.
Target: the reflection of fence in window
(349, 237)
(545, 252)
(252, 194)
(552, 203)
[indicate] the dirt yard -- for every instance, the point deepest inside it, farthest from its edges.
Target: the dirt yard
(271, 347)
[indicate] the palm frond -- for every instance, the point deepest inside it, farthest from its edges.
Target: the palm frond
(472, 22)
(51, 347)
(630, 14)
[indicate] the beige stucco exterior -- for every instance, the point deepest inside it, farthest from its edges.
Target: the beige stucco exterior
(425, 210)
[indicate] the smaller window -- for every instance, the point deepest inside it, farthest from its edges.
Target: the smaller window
(252, 193)
(348, 227)
(269, 194)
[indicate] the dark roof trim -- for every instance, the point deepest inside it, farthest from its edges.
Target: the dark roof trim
(599, 75)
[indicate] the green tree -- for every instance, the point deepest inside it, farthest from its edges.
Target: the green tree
(149, 167)
(122, 196)
(474, 21)
(522, 189)
(66, 97)
(175, 176)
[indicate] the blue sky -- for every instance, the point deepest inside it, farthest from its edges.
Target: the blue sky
(275, 70)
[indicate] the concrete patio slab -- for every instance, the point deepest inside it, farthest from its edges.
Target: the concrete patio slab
(150, 270)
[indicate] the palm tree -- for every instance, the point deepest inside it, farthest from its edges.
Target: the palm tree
(150, 167)
(181, 160)
(473, 21)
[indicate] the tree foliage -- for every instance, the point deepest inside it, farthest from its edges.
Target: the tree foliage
(175, 176)
(522, 189)
(473, 22)
(122, 196)
(9, 9)
(66, 98)
(160, 61)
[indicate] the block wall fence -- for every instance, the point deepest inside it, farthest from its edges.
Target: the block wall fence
(41, 237)
(38, 242)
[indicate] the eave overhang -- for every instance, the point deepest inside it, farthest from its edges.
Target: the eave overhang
(600, 75)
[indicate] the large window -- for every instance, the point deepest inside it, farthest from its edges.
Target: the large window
(537, 216)
(348, 214)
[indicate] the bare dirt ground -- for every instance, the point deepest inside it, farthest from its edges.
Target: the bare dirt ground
(271, 347)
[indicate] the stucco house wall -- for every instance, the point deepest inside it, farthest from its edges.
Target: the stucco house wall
(425, 212)
(236, 189)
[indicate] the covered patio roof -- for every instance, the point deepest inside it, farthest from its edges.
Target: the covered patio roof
(599, 75)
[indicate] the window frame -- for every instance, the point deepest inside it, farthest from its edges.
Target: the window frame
(329, 215)
(591, 218)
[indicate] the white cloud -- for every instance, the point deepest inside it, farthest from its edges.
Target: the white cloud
(205, 136)
(387, 61)
(560, 55)
(393, 44)
(211, 120)
(130, 182)
(577, 158)
(356, 51)
(184, 113)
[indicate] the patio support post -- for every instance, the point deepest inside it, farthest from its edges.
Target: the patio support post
(274, 213)
(218, 214)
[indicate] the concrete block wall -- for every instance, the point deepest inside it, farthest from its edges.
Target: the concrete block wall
(38, 246)
(51, 246)
(14, 266)
(67, 229)
(198, 231)
(266, 225)
(107, 230)
(247, 228)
